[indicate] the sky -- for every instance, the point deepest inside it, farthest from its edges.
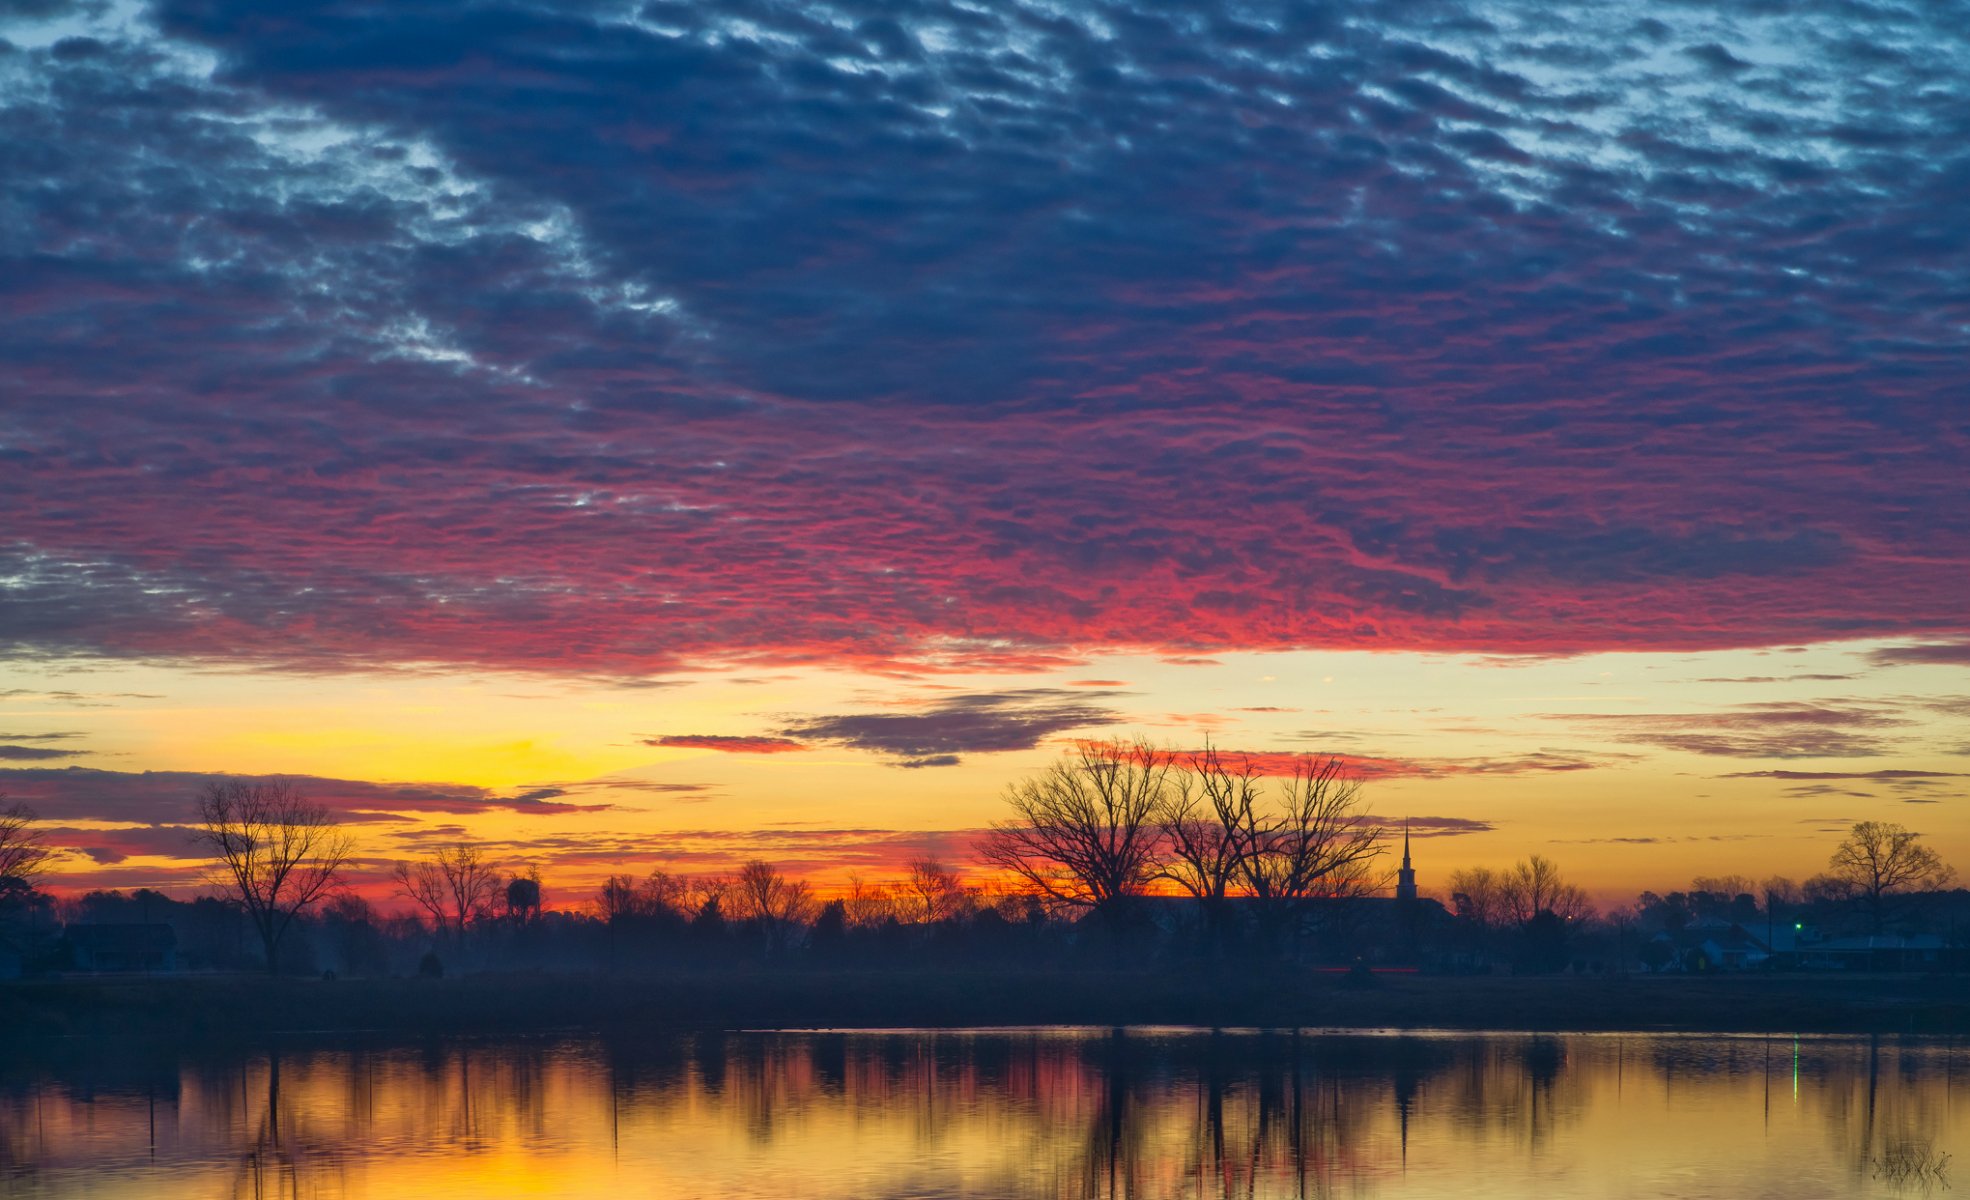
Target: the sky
(669, 434)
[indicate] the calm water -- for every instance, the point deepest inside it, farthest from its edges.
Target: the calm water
(1057, 1113)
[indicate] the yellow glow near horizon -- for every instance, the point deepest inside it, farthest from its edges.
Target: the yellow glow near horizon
(1643, 810)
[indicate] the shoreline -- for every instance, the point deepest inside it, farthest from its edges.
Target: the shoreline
(208, 1009)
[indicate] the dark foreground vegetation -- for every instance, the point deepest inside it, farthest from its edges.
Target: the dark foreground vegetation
(192, 1009)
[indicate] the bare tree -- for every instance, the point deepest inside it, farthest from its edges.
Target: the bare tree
(278, 852)
(1729, 887)
(665, 896)
(457, 886)
(1826, 888)
(1084, 834)
(1534, 886)
(868, 904)
(23, 856)
(616, 898)
(779, 905)
(1477, 896)
(1780, 890)
(1879, 859)
(1211, 827)
(934, 891)
(1318, 845)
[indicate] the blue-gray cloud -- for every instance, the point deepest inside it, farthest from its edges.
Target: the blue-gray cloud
(620, 337)
(937, 734)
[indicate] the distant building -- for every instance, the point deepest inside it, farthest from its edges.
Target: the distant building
(1405, 876)
(123, 947)
(1709, 944)
(1880, 952)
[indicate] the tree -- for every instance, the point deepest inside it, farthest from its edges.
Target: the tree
(1535, 886)
(778, 905)
(350, 928)
(868, 905)
(616, 898)
(665, 897)
(456, 886)
(1477, 897)
(933, 890)
(1083, 834)
(1880, 859)
(1318, 846)
(22, 854)
(1210, 824)
(278, 852)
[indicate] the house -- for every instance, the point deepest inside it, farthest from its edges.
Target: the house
(1878, 952)
(1708, 944)
(123, 947)
(1714, 945)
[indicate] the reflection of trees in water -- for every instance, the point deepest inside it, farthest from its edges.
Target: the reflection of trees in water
(289, 1151)
(1181, 1114)
(1885, 1101)
(1526, 1088)
(72, 1112)
(1887, 1125)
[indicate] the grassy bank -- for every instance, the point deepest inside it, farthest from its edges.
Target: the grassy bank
(201, 1008)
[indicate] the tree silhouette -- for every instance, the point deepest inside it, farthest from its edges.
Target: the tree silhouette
(779, 906)
(278, 852)
(1084, 833)
(457, 885)
(933, 890)
(1317, 846)
(1879, 859)
(1211, 827)
(1534, 885)
(22, 854)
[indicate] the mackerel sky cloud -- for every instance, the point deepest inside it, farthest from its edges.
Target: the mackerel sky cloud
(633, 337)
(565, 421)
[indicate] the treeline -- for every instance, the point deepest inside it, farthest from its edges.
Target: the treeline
(659, 921)
(1116, 853)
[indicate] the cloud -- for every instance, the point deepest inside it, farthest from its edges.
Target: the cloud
(151, 797)
(813, 851)
(1658, 840)
(1887, 774)
(31, 753)
(1431, 827)
(106, 847)
(976, 337)
(728, 744)
(1369, 767)
(1778, 679)
(978, 722)
(1928, 654)
(1780, 729)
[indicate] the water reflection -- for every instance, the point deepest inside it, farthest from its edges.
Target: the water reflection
(1144, 1113)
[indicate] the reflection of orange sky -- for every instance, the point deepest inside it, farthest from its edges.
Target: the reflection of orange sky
(1531, 747)
(1042, 1115)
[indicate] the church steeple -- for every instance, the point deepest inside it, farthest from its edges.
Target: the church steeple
(1405, 879)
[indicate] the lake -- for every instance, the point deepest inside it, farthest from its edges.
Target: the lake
(998, 1113)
